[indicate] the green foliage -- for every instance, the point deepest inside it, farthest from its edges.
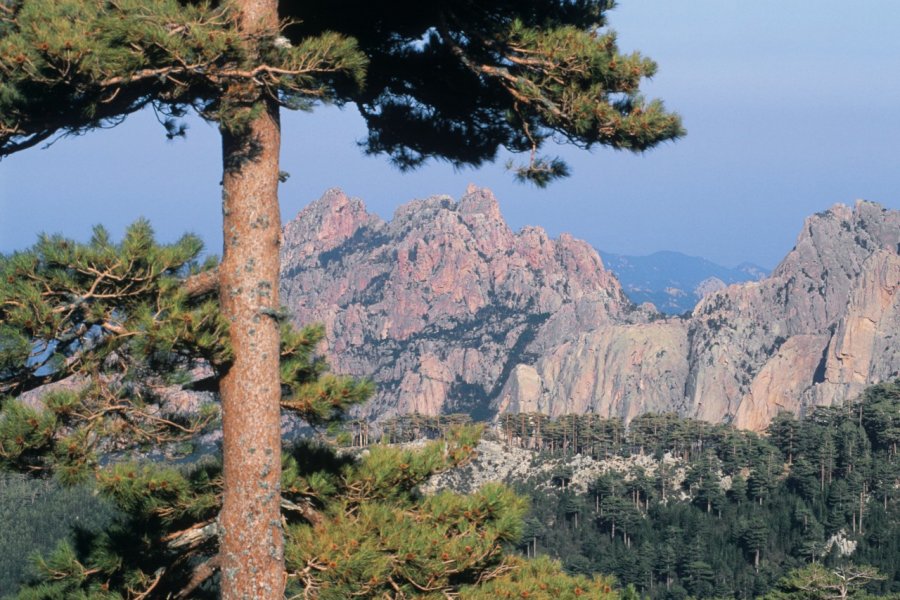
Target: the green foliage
(456, 83)
(25, 433)
(540, 579)
(164, 492)
(540, 171)
(317, 396)
(35, 514)
(834, 472)
(438, 81)
(75, 304)
(142, 549)
(114, 325)
(375, 543)
(103, 324)
(72, 65)
(356, 524)
(415, 426)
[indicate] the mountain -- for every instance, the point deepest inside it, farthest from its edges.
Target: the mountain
(440, 303)
(448, 310)
(672, 281)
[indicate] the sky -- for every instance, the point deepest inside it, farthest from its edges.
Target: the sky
(791, 106)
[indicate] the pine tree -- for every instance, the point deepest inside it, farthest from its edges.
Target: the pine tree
(667, 557)
(753, 544)
(879, 417)
(754, 537)
(100, 333)
(783, 433)
(102, 328)
(444, 80)
(815, 582)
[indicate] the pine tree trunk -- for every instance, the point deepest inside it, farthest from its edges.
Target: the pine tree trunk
(252, 543)
(862, 502)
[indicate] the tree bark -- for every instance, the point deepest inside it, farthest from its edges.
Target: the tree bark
(252, 541)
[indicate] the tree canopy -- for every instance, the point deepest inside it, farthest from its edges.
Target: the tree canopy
(94, 335)
(447, 80)
(687, 507)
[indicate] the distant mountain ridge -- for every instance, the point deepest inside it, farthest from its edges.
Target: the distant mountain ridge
(674, 282)
(448, 310)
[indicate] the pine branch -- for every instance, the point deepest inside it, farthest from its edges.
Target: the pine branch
(201, 284)
(146, 593)
(311, 515)
(201, 573)
(193, 537)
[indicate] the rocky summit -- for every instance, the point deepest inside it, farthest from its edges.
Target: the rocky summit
(448, 310)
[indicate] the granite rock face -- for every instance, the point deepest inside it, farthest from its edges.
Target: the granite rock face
(621, 369)
(448, 310)
(834, 297)
(441, 303)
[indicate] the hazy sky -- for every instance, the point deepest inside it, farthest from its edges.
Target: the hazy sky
(791, 106)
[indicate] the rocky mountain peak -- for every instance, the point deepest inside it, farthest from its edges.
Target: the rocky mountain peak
(440, 302)
(780, 338)
(818, 273)
(855, 231)
(329, 222)
(480, 201)
(449, 310)
(418, 211)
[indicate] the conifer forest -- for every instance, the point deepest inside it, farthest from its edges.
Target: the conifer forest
(748, 509)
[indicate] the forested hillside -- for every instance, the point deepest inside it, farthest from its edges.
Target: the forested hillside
(675, 507)
(720, 512)
(35, 515)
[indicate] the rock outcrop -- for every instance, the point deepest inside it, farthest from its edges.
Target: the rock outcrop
(498, 462)
(448, 310)
(441, 303)
(834, 297)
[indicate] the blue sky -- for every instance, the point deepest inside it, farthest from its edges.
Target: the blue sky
(790, 106)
